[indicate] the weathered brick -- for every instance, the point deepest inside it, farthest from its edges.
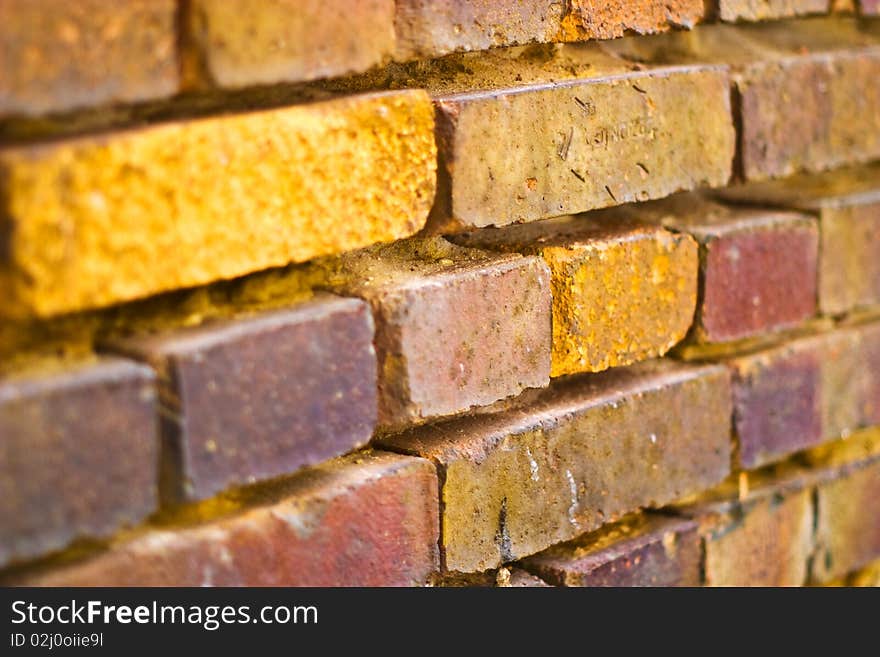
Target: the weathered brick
(98, 220)
(518, 578)
(236, 43)
(79, 446)
(764, 540)
(366, 520)
(847, 203)
(253, 398)
(430, 29)
(57, 55)
(572, 129)
(641, 551)
(585, 452)
(848, 525)
(761, 10)
(805, 392)
(455, 327)
(806, 97)
(757, 266)
(623, 291)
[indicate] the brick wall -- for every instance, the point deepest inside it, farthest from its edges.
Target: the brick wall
(489, 293)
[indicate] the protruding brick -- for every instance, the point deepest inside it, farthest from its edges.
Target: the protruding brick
(236, 43)
(848, 525)
(622, 291)
(57, 55)
(805, 392)
(585, 452)
(847, 203)
(572, 129)
(428, 29)
(641, 551)
(79, 446)
(757, 267)
(455, 327)
(366, 520)
(761, 10)
(253, 398)
(98, 220)
(806, 93)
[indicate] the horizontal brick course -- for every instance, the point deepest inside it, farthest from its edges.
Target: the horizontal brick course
(847, 203)
(366, 520)
(57, 55)
(99, 220)
(455, 327)
(642, 551)
(253, 398)
(623, 291)
(79, 446)
(585, 452)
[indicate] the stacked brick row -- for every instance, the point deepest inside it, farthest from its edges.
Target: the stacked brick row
(515, 302)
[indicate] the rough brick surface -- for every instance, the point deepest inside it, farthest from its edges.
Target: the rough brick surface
(643, 551)
(581, 132)
(757, 267)
(847, 203)
(805, 392)
(253, 398)
(98, 220)
(583, 19)
(78, 451)
(848, 525)
(622, 291)
(585, 452)
(760, 10)
(240, 42)
(455, 327)
(806, 97)
(369, 520)
(56, 55)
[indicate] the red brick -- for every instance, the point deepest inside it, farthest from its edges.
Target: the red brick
(869, 7)
(364, 520)
(252, 398)
(78, 454)
(757, 267)
(805, 392)
(848, 525)
(847, 204)
(641, 551)
(455, 327)
(584, 452)
(57, 55)
(236, 43)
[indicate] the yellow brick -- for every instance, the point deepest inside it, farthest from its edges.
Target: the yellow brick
(622, 292)
(98, 220)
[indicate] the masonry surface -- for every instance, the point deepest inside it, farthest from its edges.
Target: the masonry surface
(407, 293)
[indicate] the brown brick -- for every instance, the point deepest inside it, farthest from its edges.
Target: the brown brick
(847, 203)
(572, 129)
(805, 392)
(757, 267)
(236, 43)
(765, 540)
(366, 520)
(760, 10)
(57, 55)
(455, 327)
(848, 525)
(641, 551)
(97, 220)
(78, 454)
(253, 398)
(584, 452)
(623, 291)
(430, 28)
(805, 90)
